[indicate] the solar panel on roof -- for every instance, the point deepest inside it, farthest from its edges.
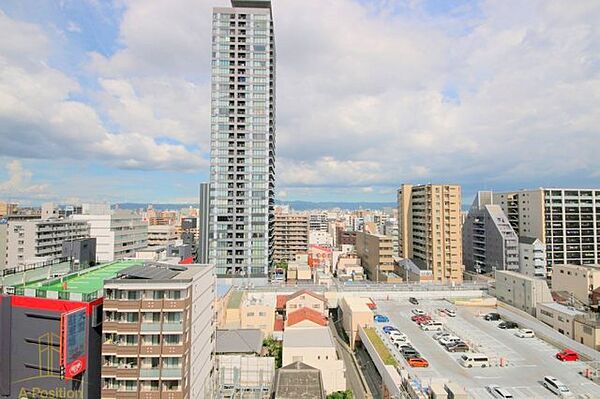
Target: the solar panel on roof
(149, 273)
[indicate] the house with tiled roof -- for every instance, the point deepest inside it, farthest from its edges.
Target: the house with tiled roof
(301, 299)
(305, 317)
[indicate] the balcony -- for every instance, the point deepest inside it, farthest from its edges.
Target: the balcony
(151, 304)
(108, 371)
(114, 304)
(127, 350)
(148, 350)
(150, 327)
(128, 373)
(173, 350)
(150, 373)
(121, 327)
(109, 393)
(126, 395)
(175, 304)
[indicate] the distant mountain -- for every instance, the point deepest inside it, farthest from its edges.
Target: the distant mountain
(296, 205)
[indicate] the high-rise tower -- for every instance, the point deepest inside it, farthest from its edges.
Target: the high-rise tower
(242, 170)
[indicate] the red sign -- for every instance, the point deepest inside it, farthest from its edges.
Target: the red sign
(73, 342)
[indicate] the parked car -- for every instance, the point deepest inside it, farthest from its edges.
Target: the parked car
(457, 347)
(389, 329)
(407, 353)
(474, 360)
(450, 312)
(449, 339)
(418, 312)
(418, 318)
(397, 335)
(508, 325)
(432, 325)
(379, 318)
(492, 317)
(398, 338)
(413, 300)
(525, 333)
(440, 334)
(567, 355)
(417, 362)
(556, 387)
(499, 393)
(403, 345)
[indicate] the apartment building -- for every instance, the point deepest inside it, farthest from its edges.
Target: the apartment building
(532, 257)
(31, 240)
(318, 221)
(355, 312)
(290, 237)
(242, 170)
(565, 220)
(159, 332)
(576, 280)
(376, 253)
(7, 208)
(489, 241)
(119, 233)
(3, 242)
(162, 235)
(429, 229)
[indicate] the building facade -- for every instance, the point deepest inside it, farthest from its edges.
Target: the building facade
(489, 241)
(28, 240)
(576, 280)
(162, 235)
(119, 234)
(290, 237)
(521, 291)
(532, 257)
(565, 220)
(429, 229)
(158, 332)
(376, 253)
(242, 171)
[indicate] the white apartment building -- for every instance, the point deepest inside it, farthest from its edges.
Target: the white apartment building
(31, 240)
(565, 220)
(119, 234)
(532, 257)
(318, 221)
(242, 170)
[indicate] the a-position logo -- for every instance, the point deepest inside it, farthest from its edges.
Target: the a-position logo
(76, 367)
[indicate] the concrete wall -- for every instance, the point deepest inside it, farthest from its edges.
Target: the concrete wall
(579, 280)
(559, 319)
(521, 291)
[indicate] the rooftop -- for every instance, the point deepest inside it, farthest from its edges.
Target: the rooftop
(310, 337)
(87, 281)
(298, 381)
(239, 341)
(562, 308)
(357, 304)
(302, 314)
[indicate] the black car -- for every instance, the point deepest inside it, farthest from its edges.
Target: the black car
(492, 316)
(508, 325)
(407, 353)
(413, 300)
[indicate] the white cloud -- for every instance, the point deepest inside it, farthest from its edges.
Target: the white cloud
(19, 183)
(73, 27)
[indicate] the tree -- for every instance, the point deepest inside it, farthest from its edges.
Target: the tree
(347, 394)
(274, 349)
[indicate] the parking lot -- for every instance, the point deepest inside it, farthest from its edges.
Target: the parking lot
(517, 364)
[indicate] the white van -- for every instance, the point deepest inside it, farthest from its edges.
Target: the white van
(432, 326)
(556, 387)
(470, 360)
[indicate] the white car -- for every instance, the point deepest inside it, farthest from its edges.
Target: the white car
(440, 335)
(450, 312)
(499, 393)
(557, 387)
(525, 333)
(398, 336)
(419, 312)
(448, 340)
(398, 339)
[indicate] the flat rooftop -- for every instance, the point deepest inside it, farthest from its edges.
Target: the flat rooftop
(84, 282)
(311, 337)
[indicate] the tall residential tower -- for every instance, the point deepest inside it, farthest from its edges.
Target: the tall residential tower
(242, 170)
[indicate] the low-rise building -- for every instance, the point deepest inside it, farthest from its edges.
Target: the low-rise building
(320, 256)
(305, 317)
(586, 330)
(299, 380)
(410, 272)
(305, 299)
(299, 271)
(580, 280)
(161, 235)
(521, 291)
(559, 317)
(258, 311)
(315, 347)
(355, 312)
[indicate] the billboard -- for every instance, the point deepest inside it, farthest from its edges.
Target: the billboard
(73, 341)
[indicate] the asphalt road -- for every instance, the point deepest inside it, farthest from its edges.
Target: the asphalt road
(528, 360)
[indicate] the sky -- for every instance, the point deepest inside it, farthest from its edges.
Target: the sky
(110, 100)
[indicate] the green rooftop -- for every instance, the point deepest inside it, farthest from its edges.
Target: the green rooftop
(87, 281)
(235, 300)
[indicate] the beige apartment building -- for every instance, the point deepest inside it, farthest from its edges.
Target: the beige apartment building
(559, 317)
(577, 280)
(243, 310)
(586, 330)
(305, 299)
(429, 229)
(290, 236)
(161, 235)
(376, 252)
(7, 208)
(159, 332)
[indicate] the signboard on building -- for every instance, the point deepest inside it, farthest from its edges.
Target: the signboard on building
(73, 339)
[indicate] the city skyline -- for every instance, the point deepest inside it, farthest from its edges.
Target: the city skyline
(104, 104)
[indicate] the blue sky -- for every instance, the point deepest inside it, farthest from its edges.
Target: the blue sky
(103, 100)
